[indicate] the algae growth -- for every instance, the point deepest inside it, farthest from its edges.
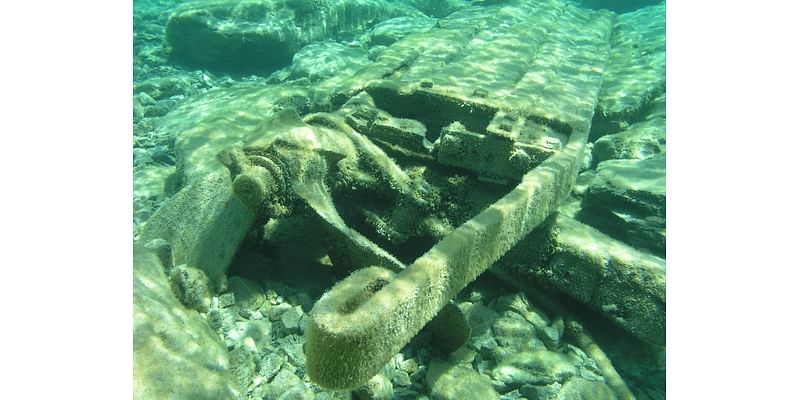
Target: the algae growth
(317, 181)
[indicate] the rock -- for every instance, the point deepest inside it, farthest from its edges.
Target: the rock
(406, 394)
(284, 380)
(141, 157)
(542, 367)
(625, 285)
(162, 88)
(243, 365)
(221, 320)
(401, 378)
(454, 379)
(640, 141)
(480, 319)
(271, 362)
(248, 294)
(577, 354)
(138, 111)
(587, 367)
(392, 30)
(176, 355)
(204, 223)
(297, 392)
(519, 304)
(513, 325)
(512, 395)
(449, 329)
(263, 35)
(325, 59)
(379, 387)
(274, 312)
(227, 300)
(550, 335)
(161, 154)
(577, 389)
(627, 200)
(484, 365)
(190, 286)
(590, 374)
(141, 102)
(143, 131)
(290, 320)
(543, 392)
(486, 346)
(292, 346)
(160, 109)
(409, 366)
(514, 334)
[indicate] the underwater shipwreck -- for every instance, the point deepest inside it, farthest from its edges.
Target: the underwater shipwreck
(475, 211)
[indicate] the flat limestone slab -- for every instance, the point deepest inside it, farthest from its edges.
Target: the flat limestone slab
(176, 355)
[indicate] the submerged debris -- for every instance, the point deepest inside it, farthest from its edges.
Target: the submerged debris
(317, 219)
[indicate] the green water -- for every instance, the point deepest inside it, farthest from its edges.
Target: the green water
(315, 180)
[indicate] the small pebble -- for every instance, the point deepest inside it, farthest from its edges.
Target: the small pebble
(226, 300)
